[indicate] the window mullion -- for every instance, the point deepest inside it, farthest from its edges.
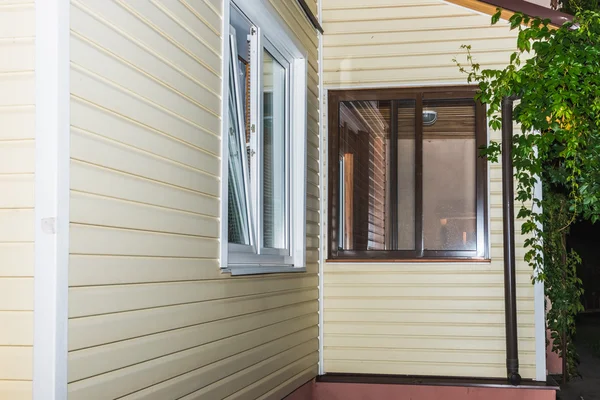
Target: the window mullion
(419, 176)
(394, 174)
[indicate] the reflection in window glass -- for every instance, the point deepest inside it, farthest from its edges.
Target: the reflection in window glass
(406, 176)
(363, 151)
(449, 177)
(274, 153)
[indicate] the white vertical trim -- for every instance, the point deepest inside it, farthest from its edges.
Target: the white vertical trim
(539, 304)
(223, 205)
(323, 195)
(299, 158)
(52, 149)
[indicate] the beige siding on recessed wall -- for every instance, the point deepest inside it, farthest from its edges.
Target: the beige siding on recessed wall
(426, 318)
(17, 149)
(150, 314)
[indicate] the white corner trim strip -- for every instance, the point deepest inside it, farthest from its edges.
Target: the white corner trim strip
(51, 199)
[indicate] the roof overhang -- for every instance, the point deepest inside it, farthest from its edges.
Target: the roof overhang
(509, 7)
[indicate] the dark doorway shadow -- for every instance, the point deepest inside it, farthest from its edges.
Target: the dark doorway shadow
(585, 239)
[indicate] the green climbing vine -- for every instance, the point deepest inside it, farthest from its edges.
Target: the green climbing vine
(556, 74)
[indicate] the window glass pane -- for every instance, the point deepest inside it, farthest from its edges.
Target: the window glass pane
(363, 156)
(449, 176)
(406, 176)
(238, 223)
(274, 153)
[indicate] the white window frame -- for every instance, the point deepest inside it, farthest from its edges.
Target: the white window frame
(272, 34)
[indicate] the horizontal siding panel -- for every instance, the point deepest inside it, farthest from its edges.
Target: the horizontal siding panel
(390, 63)
(343, 5)
(102, 181)
(292, 14)
(17, 328)
(234, 382)
(17, 165)
(88, 301)
(424, 74)
(16, 390)
(17, 294)
(117, 127)
(126, 23)
(419, 368)
(439, 342)
(413, 26)
(423, 291)
(424, 304)
(17, 55)
(89, 270)
(18, 122)
(17, 88)
(467, 317)
(286, 387)
(260, 387)
(17, 157)
(16, 259)
(205, 28)
(16, 225)
(374, 14)
(245, 329)
(94, 60)
(209, 12)
(111, 241)
(185, 39)
(111, 97)
(136, 54)
(477, 36)
(17, 21)
(445, 48)
(93, 331)
(95, 210)
(17, 191)
(110, 154)
(16, 363)
(419, 268)
(426, 356)
(403, 279)
(204, 368)
(414, 329)
(215, 5)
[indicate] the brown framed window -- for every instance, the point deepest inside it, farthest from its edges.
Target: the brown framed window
(405, 178)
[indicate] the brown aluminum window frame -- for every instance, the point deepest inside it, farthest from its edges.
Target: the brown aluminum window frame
(416, 94)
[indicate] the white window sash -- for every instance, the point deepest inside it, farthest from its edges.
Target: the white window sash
(288, 51)
(286, 64)
(241, 142)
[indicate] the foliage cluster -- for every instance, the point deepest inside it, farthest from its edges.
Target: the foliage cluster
(556, 75)
(574, 6)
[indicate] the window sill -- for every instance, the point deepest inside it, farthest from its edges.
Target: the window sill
(410, 260)
(241, 270)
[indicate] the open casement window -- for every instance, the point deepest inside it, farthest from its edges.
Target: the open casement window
(265, 180)
(405, 178)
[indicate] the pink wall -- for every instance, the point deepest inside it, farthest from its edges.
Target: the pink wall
(553, 360)
(362, 391)
(358, 391)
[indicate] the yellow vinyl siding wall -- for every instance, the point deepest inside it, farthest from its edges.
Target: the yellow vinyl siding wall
(150, 314)
(419, 318)
(17, 150)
